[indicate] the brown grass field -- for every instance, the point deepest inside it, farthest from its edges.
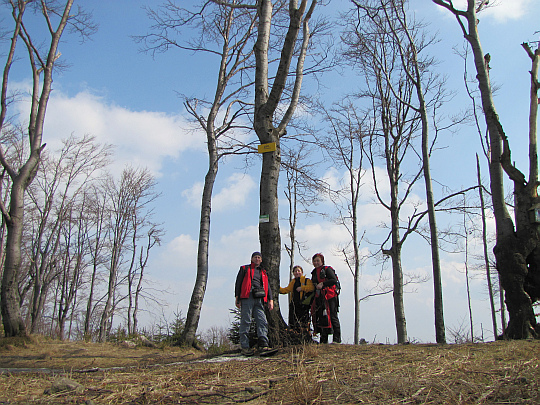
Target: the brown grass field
(505, 372)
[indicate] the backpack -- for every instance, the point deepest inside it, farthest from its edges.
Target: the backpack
(338, 284)
(308, 296)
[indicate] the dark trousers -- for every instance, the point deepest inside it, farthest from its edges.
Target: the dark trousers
(336, 328)
(298, 316)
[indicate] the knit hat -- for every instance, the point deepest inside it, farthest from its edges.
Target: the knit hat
(256, 254)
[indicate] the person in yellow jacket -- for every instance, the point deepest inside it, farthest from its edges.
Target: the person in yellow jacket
(299, 302)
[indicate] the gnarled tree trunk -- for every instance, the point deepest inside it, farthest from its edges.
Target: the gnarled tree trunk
(516, 249)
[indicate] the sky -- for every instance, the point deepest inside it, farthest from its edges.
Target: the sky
(122, 96)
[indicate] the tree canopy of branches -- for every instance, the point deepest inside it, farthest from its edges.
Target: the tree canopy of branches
(372, 42)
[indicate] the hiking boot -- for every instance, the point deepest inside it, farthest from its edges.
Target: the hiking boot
(267, 351)
(248, 352)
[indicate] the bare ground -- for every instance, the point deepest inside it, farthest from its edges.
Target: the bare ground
(505, 372)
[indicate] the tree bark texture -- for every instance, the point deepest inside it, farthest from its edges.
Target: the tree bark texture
(11, 313)
(485, 250)
(199, 289)
(397, 279)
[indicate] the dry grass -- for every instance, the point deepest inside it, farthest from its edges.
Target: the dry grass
(490, 373)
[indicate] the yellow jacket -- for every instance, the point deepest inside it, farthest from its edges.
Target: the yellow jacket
(305, 283)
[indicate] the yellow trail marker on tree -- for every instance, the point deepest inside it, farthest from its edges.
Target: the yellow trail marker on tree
(267, 147)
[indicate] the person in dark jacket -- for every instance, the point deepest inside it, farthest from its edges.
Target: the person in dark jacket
(299, 287)
(252, 292)
(325, 306)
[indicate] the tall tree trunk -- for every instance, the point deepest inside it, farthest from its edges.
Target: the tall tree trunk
(356, 273)
(138, 289)
(397, 270)
(93, 278)
(106, 315)
(130, 282)
(266, 104)
(397, 293)
(22, 177)
(501, 307)
(467, 277)
(440, 333)
(269, 233)
(485, 250)
(11, 313)
(197, 296)
(415, 76)
(270, 237)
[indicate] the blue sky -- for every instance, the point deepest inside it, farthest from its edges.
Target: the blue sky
(124, 97)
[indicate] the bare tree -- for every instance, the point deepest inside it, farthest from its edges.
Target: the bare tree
(270, 128)
(226, 33)
(79, 222)
(344, 144)
(273, 112)
(411, 42)
(97, 250)
(517, 248)
(466, 234)
(370, 42)
(487, 265)
(484, 141)
(42, 64)
(150, 233)
(72, 264)
(391, 47)
(60, 181)
(154, 235)
(127, 197)
(303, 189)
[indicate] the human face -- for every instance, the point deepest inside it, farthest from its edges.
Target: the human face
(317, 262)
(297, 272)
(256, 260)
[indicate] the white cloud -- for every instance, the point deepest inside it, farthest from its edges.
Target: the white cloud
(232, 195)
(322, 237)
(371, 214)
(142, 138)
(178, 254)
(504, 10)
(501, 10)
(234, 249)
(237, 187)
(193, 194)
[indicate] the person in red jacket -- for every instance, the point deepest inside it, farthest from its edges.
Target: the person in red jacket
(252, 293)
(325, 306)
